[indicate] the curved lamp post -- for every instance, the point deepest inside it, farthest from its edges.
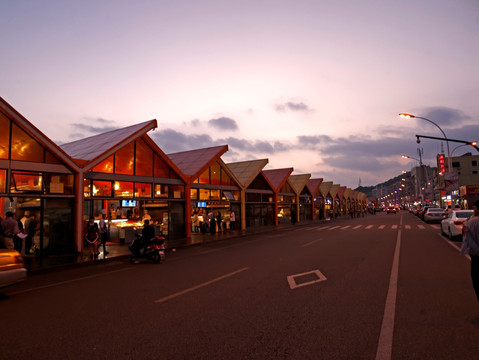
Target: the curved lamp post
(421, 165)
(449, 160)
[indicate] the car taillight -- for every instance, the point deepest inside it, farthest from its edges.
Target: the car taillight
(457, 222)
(18, 259)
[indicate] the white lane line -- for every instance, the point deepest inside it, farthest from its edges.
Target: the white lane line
(421, 227)
(369, 226)
(436, 227)
(334, 227)
(384, 351)
(345, 227)
(408, 227)
(169, 297)
(312, 242)
(292, 282)
(382, 226)
(357, 226)
(394, 227)
(324, 227)
(68, 281)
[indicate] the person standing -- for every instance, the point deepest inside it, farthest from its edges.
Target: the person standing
(470, 245)
(219, 222)
(103, 232)
(211, 216)
(9, 229)
(30, 230)
(232, 220)
(92, 237)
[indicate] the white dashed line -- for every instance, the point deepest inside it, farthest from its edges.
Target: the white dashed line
(369, 226)
(382, 226)
(334, 227)
(345, 227)
(357, 226)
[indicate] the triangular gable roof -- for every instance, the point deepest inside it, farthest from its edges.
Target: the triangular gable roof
(354, 195)
(277, 177)
(340, 193)
(194, 162)
(347, 193)
(247, 171)
(298, 182)
(40, 137)
(90, 151)
(313, 185)
(333, 190)
(325, 187)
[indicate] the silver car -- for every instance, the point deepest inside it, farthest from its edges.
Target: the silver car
(453, 224)
(434, 214)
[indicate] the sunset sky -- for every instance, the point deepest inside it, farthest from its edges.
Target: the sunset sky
(315, 85)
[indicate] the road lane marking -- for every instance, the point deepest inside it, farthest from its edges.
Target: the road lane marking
(382, 226)
(292, 282)
(334, 227)
(436, 227)
(312, 242)
(453, 245)
(324, 227)
(169, 297)
(384, 351)
(369, 226)
(408, 227)
(421, 227)
(357, 226)
(394, 227)
(345, 227)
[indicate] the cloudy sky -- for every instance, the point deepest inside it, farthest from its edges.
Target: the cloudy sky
(310, 84)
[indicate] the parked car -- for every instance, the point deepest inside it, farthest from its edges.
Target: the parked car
(433, 214)
(12, 269)
(449, 208)
(453, 224)
(391, 210)
(424, 209)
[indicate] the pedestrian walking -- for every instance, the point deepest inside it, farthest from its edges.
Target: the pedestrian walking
(104, 232)
(232, 220)
(219, 222)
(92, 237)
(470, 245)
(9, 229)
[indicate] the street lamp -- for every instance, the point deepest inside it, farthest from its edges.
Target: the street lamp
(449, 161)
(472, 143)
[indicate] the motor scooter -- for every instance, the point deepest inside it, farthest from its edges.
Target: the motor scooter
(153, 249)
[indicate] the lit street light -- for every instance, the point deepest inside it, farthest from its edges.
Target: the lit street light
(408, 116)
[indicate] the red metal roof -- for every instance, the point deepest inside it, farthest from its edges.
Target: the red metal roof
(277, 177)
(194, 162)
(313, 185)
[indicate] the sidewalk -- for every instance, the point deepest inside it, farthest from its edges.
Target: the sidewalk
(117, 251)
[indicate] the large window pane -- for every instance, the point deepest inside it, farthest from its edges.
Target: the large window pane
(215, 172)
(86, 187)
(177, 192)
(50, 158)
(124, 160)
(25, 182)
(24, 147)
(3, 181)
(59, 184)
(144, 159)
(161, 169)
(205, 177)
(4, 136)
(204, 194)
(101, 188)
(161, 191)
(123, 189)
(225, 179)
(106, 166)
(142, 190)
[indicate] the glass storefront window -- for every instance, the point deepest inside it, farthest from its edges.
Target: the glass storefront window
(101, 188)
(205, 177)
(50, 158)
(161, 191)
(194, 194)
(215, 194)
(106, 166)
(4, 136)
(225, 179)
(124, 160)
(59, 184)
(215, 172)
(143, 159)
(86, 187)
(143, 190)
(123, 189)
(26, 182)
(177, 192)
(161, 169)
(3, 181)
(24, 147)
(204, 194)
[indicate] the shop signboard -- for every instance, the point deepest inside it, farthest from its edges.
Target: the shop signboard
(451, 181)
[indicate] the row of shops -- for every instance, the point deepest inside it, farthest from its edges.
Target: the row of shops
(125, 176)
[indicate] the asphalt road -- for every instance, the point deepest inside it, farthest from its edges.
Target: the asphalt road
(379, 287)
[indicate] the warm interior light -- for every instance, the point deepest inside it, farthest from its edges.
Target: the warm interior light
(117, 186)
